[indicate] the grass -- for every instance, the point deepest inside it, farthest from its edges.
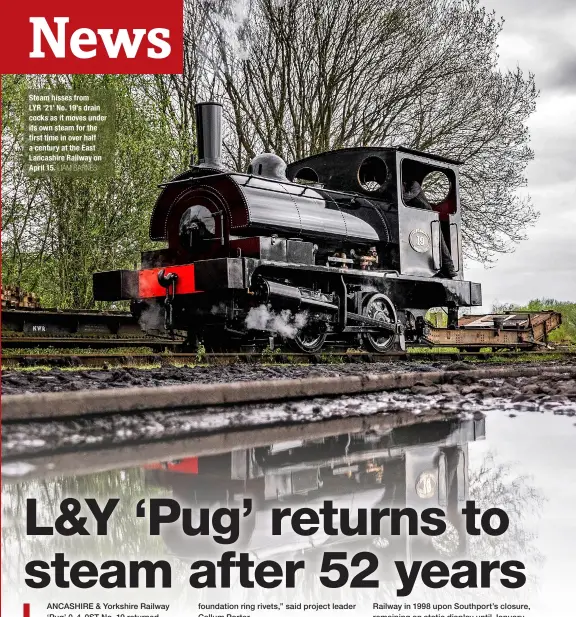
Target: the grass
(526, 358)
(425, 350)
(267, 357)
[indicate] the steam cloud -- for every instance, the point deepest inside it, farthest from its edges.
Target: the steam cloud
(284, 323)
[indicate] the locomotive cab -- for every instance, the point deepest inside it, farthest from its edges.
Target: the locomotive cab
(335, 250)
(384, 175)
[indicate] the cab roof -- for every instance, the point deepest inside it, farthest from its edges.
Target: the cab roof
(435, 157)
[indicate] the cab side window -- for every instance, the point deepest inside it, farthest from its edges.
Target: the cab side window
(429, 188)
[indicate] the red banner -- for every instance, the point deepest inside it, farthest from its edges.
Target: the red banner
(107, 36)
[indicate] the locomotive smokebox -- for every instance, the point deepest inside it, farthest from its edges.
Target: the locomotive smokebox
(209, 134)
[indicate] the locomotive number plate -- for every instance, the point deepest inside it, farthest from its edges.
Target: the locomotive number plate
(426, 485)
(419, 240)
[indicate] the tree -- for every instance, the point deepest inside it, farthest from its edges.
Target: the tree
(305, 76)
(59, 230)
(25, 218)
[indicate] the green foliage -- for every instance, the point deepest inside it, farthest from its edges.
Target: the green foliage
(437, 317)
(201, 353)
(270, 356)
(78, 351)
(59, 230)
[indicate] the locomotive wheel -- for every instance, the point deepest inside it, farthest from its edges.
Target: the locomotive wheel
(379, 307)
(308, 340)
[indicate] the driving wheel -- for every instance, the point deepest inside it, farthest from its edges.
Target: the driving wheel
(308, 340)
(380, 307)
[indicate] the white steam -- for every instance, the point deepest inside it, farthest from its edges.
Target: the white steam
(285, 323)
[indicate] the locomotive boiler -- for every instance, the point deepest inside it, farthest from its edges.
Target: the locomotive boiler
(325, 250)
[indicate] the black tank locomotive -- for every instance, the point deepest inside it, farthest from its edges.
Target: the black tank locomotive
(322, 251)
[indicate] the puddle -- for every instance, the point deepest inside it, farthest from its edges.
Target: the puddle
(523, 463)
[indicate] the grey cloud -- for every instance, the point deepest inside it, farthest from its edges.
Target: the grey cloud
(523, 9)
(563, 75)
(538, 36)
(555, 156)
(549, 28)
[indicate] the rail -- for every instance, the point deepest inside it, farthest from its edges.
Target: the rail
(109, 360)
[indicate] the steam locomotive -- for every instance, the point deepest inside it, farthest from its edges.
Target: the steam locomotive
(326, 250)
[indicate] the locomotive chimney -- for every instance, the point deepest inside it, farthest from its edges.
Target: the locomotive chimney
(209, 134)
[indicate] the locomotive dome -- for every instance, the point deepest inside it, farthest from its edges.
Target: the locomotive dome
(268, 165)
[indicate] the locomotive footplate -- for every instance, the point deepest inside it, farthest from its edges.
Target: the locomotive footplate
(374, 305)
(404, 291)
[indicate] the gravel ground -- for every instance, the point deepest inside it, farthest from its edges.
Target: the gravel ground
(58, 380)
(548, 392)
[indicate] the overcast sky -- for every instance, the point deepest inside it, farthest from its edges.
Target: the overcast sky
(539, 37)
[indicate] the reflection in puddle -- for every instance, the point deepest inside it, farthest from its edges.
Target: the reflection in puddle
(415, 466)
(367, 465)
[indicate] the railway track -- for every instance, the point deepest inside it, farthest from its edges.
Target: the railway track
(107, 360)
(82, 331)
